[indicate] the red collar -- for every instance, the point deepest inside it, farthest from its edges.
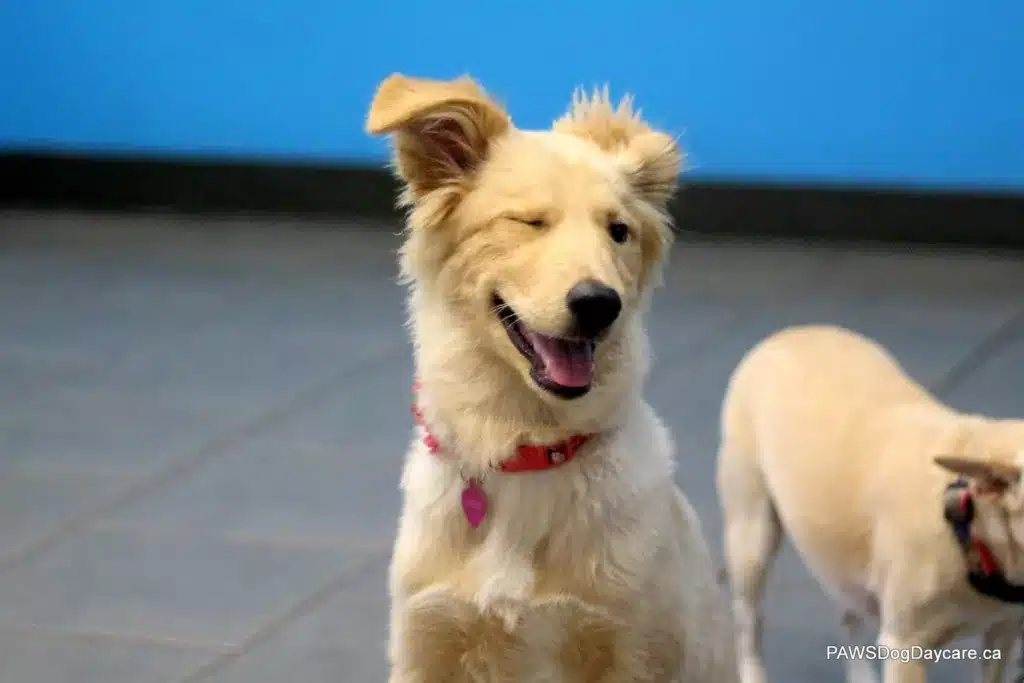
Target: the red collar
(528, 458)
(983, 573)
(960, 514)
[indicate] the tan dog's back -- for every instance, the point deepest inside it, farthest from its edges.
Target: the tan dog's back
(826, 439)
(794, 456)
(816, 390)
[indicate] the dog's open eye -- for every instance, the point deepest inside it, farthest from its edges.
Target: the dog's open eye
(619, 231)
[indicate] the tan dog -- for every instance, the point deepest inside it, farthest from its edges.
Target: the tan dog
(542, 538)
(826, 439)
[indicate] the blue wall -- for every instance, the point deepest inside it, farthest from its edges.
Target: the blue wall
(907, 92)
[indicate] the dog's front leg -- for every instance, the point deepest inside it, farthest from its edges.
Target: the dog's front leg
(1000, 637)
(428, 636)
(398, 668)
(397, 676)
(505, 575)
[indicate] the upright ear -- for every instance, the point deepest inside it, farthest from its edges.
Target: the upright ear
(441, 129)
(651, 159)
(988, 476)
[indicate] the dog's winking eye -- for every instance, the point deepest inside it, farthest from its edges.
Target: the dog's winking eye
(619, 231)
(531, 221)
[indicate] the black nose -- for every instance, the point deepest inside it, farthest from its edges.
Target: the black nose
(594, 306)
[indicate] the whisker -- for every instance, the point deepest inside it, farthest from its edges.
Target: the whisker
(502, 309)
(509, 316)
(504, 312)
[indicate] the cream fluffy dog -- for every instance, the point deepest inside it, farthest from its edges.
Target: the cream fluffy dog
(542, 539)
(825, 439)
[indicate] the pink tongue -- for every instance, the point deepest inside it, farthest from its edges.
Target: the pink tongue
(570, 364)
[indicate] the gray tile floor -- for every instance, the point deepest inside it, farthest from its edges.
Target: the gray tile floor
(202, 422)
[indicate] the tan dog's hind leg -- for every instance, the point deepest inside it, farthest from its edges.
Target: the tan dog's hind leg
(902, 670)
(1000, 637)
(752, 536)
(858, 670)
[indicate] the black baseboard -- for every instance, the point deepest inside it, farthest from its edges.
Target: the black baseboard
(191, 186)
(49, 181)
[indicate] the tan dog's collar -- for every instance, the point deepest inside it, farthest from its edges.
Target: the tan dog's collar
(984, 574)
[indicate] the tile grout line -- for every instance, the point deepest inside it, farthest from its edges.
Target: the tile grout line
(276, 624)
(113, 637)
(978, 356)
(216, 447)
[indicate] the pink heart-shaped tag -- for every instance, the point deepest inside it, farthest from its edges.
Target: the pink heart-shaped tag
(474, 504)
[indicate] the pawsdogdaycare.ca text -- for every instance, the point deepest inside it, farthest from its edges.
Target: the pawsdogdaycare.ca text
(909, 654)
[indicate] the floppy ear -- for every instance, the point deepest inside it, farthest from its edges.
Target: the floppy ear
(441, 129)
(988, 476)
(650, 159)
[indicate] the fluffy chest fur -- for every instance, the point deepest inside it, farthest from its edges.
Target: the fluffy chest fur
(553, 531)
(547, 587)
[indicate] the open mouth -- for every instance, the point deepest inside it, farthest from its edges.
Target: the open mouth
(562, 365)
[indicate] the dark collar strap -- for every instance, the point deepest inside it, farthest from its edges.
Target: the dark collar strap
(996, 586)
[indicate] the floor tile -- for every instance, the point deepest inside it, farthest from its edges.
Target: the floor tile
(737, 271)
(28, 659)
(939, 274)
(35, 501)
(994, 389)
(276, 491)
(197, 589)
(250, 363)
(101, 310)
(367, 420)
(328, 474)
(133, 341)
(342, 641)
(24, 374)
(106, 429)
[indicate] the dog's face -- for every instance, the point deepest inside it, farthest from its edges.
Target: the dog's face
(542, 242)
